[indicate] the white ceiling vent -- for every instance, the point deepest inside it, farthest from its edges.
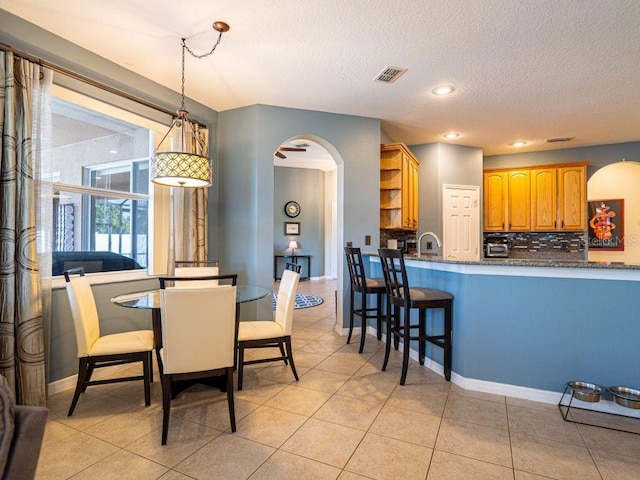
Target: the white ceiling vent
(390, 74)
(559, 139)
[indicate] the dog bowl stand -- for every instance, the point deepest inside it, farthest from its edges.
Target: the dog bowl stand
(566, 405)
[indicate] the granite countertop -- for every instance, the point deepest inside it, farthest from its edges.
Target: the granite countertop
(521, 262)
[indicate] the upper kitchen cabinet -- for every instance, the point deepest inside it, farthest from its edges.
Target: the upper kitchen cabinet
(495, 200)
(572, 197)
(507, 201)
(538, 198)
(398, 187)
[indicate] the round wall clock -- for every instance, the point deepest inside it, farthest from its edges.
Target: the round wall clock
(292, 209)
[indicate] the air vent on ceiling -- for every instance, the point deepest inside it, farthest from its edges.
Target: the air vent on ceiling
(559, 139)
(390, 74)
(302, 145)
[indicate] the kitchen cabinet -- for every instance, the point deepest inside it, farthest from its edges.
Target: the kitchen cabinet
(536, 198)
(495, 186)
(572, 198)
(519, 201)
(544, 193)
(398, 188)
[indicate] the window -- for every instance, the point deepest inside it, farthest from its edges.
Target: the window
(101, 189)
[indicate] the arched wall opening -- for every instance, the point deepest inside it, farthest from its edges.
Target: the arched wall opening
(619, 181)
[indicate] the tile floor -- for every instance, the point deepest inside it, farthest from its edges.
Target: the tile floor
(345, 419)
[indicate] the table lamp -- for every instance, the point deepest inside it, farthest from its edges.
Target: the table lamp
(293, 245)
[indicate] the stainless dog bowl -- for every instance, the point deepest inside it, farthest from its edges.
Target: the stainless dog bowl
(625, 396)
(587, 392)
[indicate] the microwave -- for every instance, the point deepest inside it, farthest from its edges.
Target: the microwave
(496, 246)
(500, 250)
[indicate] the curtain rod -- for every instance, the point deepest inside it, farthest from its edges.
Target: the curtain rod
(87, 80)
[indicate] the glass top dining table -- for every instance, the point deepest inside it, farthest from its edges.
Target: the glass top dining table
(150, 299)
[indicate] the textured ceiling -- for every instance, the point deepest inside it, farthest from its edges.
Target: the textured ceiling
(523, 70)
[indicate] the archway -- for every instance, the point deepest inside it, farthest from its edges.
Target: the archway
(305, 171)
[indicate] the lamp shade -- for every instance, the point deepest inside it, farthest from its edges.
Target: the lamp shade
(181, 169)
(293, 244)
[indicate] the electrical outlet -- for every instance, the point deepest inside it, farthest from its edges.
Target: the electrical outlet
(429, 245)
(367, 239)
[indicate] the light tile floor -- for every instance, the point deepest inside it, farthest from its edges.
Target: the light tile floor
(345, 419)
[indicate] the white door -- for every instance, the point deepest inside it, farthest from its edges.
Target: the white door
(461, 218)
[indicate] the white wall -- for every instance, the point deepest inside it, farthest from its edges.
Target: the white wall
(619, 180)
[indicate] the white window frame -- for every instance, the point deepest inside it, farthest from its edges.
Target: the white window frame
(158, 198)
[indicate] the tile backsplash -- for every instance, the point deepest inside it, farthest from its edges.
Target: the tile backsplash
(547, 245)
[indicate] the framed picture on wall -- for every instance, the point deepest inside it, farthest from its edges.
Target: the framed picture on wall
(292, 228)
(606, 224)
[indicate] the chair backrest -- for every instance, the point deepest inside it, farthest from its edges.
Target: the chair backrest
(356, 268)
(196, 272)
(198, 328)
(286, 300)
(294, 267)
(395, 275)
(83, 310)
(230, 279)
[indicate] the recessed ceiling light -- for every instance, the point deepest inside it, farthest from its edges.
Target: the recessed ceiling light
(451, 135)
(443, 90)
(518, 144)
(113, 151)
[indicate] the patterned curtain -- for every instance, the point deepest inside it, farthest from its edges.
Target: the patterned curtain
(24, 89)
(190, 206)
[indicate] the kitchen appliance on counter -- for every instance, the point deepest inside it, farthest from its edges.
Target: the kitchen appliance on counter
(496, 246)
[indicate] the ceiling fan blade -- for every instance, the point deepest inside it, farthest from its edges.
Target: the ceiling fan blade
(291, 149)
(280, 155)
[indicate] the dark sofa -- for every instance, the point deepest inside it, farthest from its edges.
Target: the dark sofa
(21, 433)
(91, 261)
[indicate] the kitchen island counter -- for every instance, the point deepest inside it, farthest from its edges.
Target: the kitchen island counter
(524, 328)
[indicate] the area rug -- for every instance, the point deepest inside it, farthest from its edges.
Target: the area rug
(302, 301)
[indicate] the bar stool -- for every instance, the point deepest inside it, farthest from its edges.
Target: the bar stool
(401, 295)
(365, 286)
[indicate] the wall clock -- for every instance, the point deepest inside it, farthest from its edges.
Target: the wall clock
(292, 209)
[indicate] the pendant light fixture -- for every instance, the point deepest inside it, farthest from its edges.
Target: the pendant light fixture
(180, 167)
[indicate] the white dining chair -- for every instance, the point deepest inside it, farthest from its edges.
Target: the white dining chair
(197, 271)
(96, 350)
(198, 340)
(271, 333)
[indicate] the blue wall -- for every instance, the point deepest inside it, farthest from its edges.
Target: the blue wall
(305, 186)
(598, 155)
(248, 137)
(538, 332)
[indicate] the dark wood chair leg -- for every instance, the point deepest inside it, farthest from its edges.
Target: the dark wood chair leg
(405, 352)
(395, 321)
(448, 347)
(363, 320)
(287, 341)
(232, 409)
(379, 315)
(423, 335)
(80, 384)
(166, 406)
(390, 333)
(283, 354)
(350, 318)
(240, 364)
(87, 378)
(146, 368)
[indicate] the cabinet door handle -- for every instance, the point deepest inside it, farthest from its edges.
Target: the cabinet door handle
(562, 223)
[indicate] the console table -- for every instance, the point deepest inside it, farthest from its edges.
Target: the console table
(304, 274)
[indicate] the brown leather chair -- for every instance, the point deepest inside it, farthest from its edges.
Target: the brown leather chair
(364, 286)
(403, 296)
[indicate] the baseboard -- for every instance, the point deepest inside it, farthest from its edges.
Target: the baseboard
(99, 374)
(515, 391)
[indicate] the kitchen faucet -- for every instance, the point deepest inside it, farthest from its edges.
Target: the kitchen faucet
(435, 237)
